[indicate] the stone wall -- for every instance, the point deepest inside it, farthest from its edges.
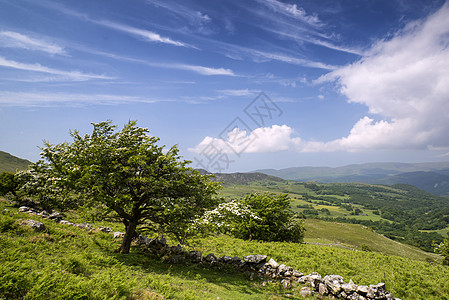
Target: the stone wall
(331, 286)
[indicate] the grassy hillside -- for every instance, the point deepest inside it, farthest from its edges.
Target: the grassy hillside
(66, 262)
(401, 212)
(12, 164)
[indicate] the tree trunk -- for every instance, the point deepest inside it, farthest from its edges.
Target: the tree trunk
(128, 238)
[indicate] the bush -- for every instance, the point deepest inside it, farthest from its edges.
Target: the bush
(276, 221)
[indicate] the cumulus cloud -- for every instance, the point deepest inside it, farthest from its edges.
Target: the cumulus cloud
(263, 139)
(405, 82)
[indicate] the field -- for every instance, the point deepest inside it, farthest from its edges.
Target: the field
(66, 262)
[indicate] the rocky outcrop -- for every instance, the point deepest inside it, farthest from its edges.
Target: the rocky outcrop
(331, 286)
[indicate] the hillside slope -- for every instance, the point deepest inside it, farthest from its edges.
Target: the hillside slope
(10, 163)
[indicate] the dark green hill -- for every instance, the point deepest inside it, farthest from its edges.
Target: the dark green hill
(10, 163)
(433, 182)
(244, 178)
(431, 177)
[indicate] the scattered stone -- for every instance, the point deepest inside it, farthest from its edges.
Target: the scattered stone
(322, 289)
(66, 222)
(286, 284)
(84, 225)
(210, 258)
(118, 234)
(109, 229)
(36, 225)
(305, 292)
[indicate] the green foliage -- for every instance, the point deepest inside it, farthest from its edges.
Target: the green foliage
(276, 222)
(8, 183)
(125, 172)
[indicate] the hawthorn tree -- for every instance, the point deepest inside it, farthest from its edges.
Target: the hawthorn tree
(128, 173)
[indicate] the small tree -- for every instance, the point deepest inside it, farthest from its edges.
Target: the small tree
(443, 249)
(275, 221)
(128, 173)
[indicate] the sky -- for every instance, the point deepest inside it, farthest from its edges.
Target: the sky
(237, 85)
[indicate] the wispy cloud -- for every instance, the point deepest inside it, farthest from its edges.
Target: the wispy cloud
(291, 10)
(194, 17)
(208, 71)
(17, 40)
(142, 33)
(24, 99)
(68, 75)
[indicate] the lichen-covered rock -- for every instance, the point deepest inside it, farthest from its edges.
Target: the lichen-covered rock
(322, 289)
(272, 263)
(333, 283)
(33, 224)
(255, 259)
(210, 258)
(305, 292)
(350, 287)
(65, 222)
(118, 234)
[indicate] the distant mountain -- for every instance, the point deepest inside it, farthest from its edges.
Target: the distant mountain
(10, 163)
(432, 177)
(241, 178)
(433, 182)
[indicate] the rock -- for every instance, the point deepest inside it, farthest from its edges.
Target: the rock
(225, 259)
(313, 279)
(36, 225)
(333, 283)
(108, 229)
(272, 263)
(255, 259)
(350, 287)
(362, 289)
(84, 225)
(210, 258)
(43, 214)
(24, 209)
(55, 216)
(286, 284)
(296, 274)
(282, 269)
(322, 289)
(64, 222)
(118, 234)
(305, 292)
(194, 256)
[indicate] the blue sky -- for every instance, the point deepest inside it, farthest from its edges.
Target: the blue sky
(238, 85)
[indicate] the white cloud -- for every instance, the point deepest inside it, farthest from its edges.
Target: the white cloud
(291, 10)
(62, 74)
(405, 81)
(17, 40)
(264, 139)
(145, 34)
(30, 99)
(200, 69)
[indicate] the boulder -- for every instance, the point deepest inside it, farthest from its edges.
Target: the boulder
(362, 289)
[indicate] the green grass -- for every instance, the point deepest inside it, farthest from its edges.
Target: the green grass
(405, 278)
(70, 263)
(360, 237)
(66, 262)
